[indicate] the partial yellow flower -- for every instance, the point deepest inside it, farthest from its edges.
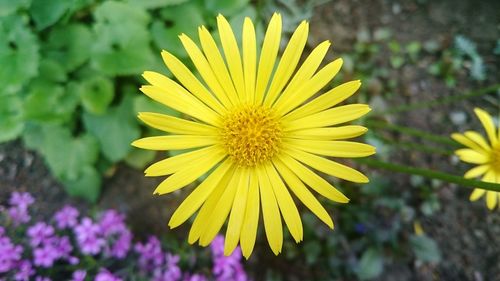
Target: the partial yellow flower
(252, 130)
(485, 154)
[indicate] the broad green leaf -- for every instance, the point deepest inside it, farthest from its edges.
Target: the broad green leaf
(114, 130)
(370, 265)
(52, 70)
(96, 93)
(65, 154)
(425, 248)
(18, 53)
(11, 117)
(139, 158)
(70, 45)
(152, 4)
(49, 102)
(87, 185)
(173, 22)
(8, 7)
(225, 7)
(122, 45)
(47, 12)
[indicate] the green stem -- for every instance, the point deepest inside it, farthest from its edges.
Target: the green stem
(430, 174)
(412, 132)
(442, 101)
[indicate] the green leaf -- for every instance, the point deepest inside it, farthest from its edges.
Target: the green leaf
(47, 12)
(312, 250)
(11, 117)
(49, 102)
(139, 158)
(52, 70)
(8, 7)
(225, 7)
(18, 53)
(65, 154)
(425, 248)
(370, 265)
(114, 130)
(153, 4)
(69, 44)
(87, 185)
(96, 93)
(122, 44)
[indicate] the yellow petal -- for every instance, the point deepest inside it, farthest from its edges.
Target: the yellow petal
(342, 132)
(472, 156)
(173, 164)
(310, 178)
(270, 47)
(285, 202)
(189, 174)
(190, 82)
(328, 117)
(478, 139)
(302, 193)
(251, 220)
(326, 100)
(249, 59)
(327, 166)
(476, 194)
(488, 124)
(237, 213)
(174, 142)
(466, 141)
(332, 148)
(270, 212)
(232, 54)
(200, 222)
(308, 68)
(221, 210)
(476, 171)
(217, 64)
(201, 63)
(178, 100)
(491, 199)
(288, 62)
(199, 195)
(176, 125)
(290, 100)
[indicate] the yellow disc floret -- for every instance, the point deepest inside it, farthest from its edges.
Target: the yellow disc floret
(251, 135)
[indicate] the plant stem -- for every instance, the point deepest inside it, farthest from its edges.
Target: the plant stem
(412, 132)
(445, 100)
(430, 174)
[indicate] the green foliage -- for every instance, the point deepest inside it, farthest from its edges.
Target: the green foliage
(70, 77)
(425, 249)
(370, 265)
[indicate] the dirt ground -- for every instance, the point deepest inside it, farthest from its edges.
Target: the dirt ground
(467, 234)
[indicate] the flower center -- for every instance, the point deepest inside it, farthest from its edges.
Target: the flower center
(251, 135)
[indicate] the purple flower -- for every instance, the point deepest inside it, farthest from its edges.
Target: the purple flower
(19, 215)
(195, 277)
(39, 232)
(226, 268)
(105, 275)
(24, 271)
(172, 271)
(21, 200)
(45, 256)
(88, 237)
(66, 217)
(10, 254)
(42, 278)
(78, 275)
(116, 233)
(150, 254)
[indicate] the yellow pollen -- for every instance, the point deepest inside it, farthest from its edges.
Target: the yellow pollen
(251, 135)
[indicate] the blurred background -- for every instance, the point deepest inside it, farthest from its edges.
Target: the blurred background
(70, 73)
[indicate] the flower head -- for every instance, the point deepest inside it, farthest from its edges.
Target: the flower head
(252, 129)
(485, 153)
(66, 217)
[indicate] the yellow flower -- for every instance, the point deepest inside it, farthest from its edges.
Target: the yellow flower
(254, 133)
(483, 153)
